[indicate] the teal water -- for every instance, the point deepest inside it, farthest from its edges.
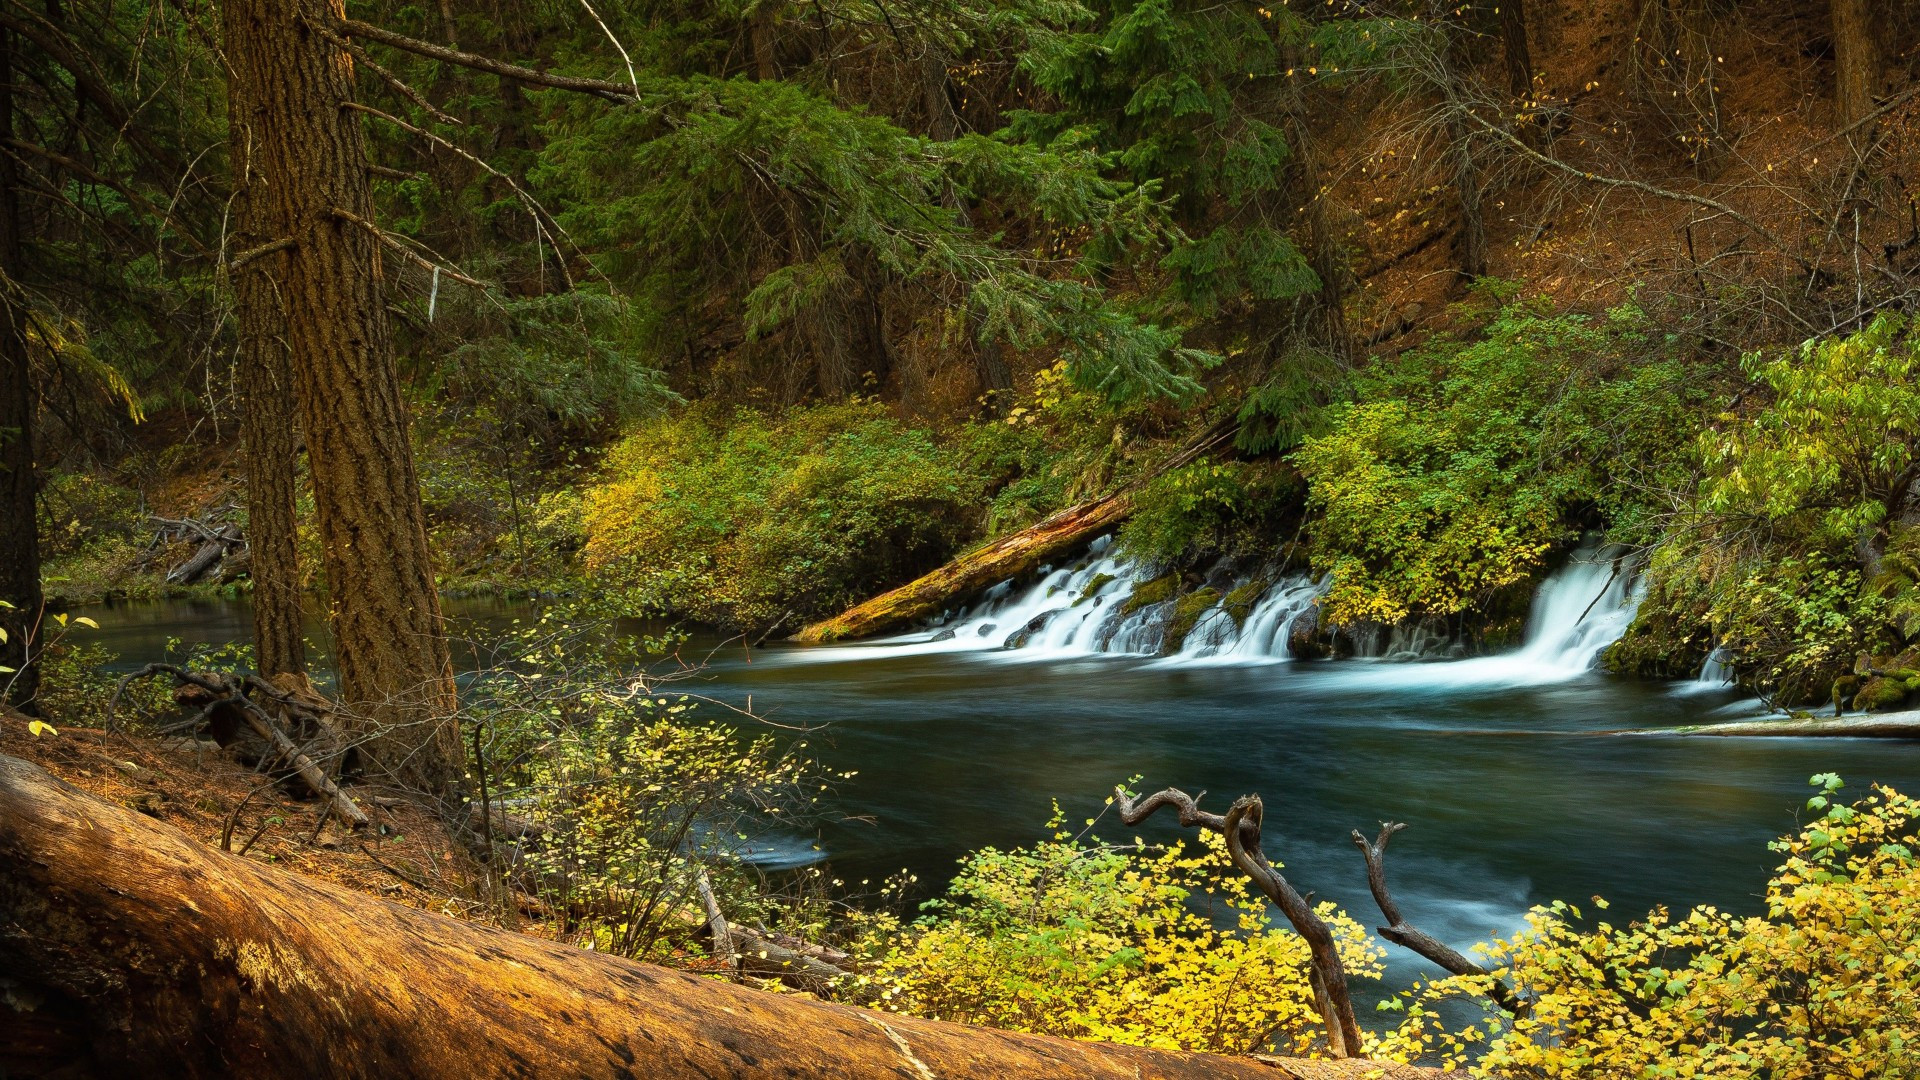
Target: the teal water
(1514, 793)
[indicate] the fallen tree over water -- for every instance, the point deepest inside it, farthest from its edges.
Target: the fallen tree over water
(1009, 556)
(127, 947)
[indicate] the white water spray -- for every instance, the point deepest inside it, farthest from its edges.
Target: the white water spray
(1080, 610)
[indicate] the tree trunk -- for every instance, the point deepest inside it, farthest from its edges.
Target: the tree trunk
(19, 484)
(1006, 557)
(270, 426)
(1471, 250)
(143, 952)
(1856, 59)
(1513, 42)
(389, 639)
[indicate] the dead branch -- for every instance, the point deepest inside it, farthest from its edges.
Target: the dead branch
(1401, 933)
(263, 724)
(419, 260)
(612, 91)
(1241, 828)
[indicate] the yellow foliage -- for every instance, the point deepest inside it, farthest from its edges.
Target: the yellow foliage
(1164, 948)
(1825, 984)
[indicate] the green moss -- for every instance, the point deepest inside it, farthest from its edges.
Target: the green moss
(1100, 581)
(1879, 693)
(1239, 603)
(1186, 615)
(1844, 688)
(1148, 593)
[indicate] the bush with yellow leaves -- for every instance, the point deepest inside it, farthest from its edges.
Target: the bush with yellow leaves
(1825, 984)
(1161, 947)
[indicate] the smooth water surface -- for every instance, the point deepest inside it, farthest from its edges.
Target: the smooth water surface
(1502, 766)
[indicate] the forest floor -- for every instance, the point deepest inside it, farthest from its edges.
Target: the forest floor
(409, 857)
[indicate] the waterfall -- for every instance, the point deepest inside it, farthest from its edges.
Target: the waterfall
(1716, 673)
(1080, 609)
(1579, 610)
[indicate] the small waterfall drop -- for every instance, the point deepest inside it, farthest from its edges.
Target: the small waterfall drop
(1716, 673)
(1086, 608)
(1579, 610)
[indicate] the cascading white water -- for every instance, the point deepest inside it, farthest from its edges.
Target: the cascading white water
(1581, 609)
(1716, 673)
(1079, 610)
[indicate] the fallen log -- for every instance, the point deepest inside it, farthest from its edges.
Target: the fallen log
(1007, 557)
(1904, 724)
(128, 949)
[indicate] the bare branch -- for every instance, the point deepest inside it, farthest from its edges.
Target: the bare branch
(1241, 827)
(1413, 938)
(612, 91)
(419, 260)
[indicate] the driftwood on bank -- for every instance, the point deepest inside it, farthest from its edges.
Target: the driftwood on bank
(1904, 724)
(216, 541)
(1240, 826)
(128, 949)
(1414, 939)
(229, 702)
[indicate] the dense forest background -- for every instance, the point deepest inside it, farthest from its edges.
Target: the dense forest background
(844, 289)
(738, 314)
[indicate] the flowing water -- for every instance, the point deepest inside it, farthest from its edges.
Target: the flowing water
(1503, 765)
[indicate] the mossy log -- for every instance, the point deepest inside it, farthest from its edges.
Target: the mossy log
(1007, 557)
(128, 949)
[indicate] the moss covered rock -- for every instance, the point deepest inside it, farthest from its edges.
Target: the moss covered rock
(1240, 600)
(1148, 593)
(1879, 693)
(1186, 615)
(1099, 581)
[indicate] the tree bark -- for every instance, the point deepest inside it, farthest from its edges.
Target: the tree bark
(1513, 42)
(19, 483)
(147, 953)
(1006, 557)
(270, 425)
(389, 639)
(1856, 59)
(1471, 250)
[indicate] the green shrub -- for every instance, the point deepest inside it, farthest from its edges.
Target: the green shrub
(1206, 508)
(638, 794)
(1462, 463)
(744, 520)
(1793, 555)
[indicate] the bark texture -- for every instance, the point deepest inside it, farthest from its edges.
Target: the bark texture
(1856, 59)
(1006, 557)
(271, 428)
(147, 953)
(1513, 44)
(389, 639)
(19, 528)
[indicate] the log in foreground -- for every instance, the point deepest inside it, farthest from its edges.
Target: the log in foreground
(1009, 556)
(128, 949)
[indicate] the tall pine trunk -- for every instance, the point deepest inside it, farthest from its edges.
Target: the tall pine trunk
(1856, 59)
(19, 535)
(389, 639)
(270, 425)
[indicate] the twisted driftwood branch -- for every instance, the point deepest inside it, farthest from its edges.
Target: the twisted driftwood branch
(1407, 936)
(234, 691)
(1241, 828)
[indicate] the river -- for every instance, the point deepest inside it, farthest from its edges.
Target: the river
(1502, 765)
